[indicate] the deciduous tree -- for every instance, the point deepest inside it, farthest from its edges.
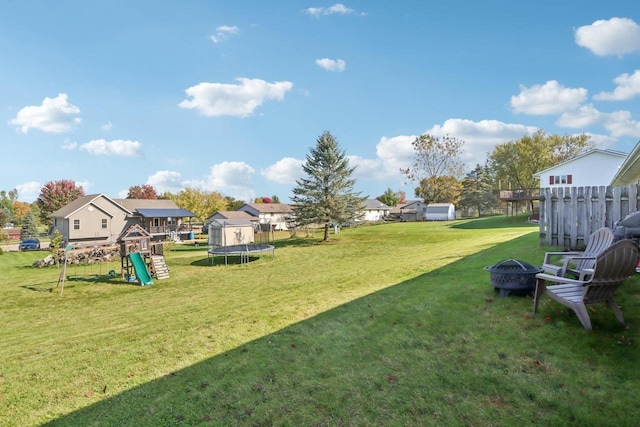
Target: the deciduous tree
(56, 194)
(202, 203)
(439, 189)
(145, 191)
(436, 164)
(513, 163)
(326, 194)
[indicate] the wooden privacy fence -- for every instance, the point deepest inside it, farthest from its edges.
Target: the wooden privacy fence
(568, 215)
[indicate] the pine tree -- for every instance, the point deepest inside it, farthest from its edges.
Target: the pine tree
(326, 195)
(29, 228)
(477, 191)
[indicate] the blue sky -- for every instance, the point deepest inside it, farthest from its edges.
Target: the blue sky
(229, 96)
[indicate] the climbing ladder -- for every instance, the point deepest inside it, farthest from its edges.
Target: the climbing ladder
(159, 267)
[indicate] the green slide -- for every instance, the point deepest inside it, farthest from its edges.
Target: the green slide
(140, 268)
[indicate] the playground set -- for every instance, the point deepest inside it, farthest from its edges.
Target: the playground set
(140, 258)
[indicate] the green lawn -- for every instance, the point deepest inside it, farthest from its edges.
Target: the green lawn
(395, 324)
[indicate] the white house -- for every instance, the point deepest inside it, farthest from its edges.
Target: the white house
(375, 210)
(274, 214)
(440, 212)
(593, 168)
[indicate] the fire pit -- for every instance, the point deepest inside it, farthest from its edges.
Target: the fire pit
(514, 277)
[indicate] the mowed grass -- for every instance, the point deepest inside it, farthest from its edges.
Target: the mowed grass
(395, 324)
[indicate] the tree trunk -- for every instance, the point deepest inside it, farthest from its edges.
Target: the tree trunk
(326, 233)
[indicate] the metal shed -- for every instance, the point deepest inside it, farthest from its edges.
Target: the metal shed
(440, 212)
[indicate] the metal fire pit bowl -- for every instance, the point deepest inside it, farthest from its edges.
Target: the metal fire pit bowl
(514, 277)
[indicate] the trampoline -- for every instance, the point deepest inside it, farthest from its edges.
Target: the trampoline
(244, 250)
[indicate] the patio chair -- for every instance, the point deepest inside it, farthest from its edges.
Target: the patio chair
(578, 263)
(611, 268)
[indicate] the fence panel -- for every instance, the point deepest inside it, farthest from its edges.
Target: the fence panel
(568, 215)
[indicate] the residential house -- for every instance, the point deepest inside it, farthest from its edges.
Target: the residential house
(375, 210)
(274, 214)
(98, 220)
(594, 168)
(413, 211)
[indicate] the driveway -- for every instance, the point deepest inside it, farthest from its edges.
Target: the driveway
(14, 247)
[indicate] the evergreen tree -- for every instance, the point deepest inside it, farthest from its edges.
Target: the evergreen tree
(326, 194)
(477, 192)
(389, 198)
(29, 228)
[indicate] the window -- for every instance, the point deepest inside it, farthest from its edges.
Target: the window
(104, 223)
(76, 224)
(560, 179)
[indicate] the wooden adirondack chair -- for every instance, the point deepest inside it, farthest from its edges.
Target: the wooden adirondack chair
(611, 268)
(579, 263)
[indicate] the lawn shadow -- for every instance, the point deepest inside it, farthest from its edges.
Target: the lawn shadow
(273, 379)
(494, 222)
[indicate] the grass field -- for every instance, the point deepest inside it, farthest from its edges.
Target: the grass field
(395, 324)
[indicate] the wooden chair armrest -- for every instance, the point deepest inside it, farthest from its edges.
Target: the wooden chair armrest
(559, 279)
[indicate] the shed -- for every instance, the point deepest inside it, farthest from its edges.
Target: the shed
(440, 212)
(228, 232)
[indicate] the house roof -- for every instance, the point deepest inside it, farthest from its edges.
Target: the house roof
(629, 171)
(232, 222)
(79, 203)
(234, 215)
(612, 153)
(374, 204)
(270, 207)
(134, 204)
(165, 213)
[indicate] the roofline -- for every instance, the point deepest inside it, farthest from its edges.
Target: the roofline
(93, 200)
(595, 150)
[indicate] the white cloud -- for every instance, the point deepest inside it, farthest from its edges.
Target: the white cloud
(228, 178)
(549, 98)
(582, 117)
(86, 185)
(331, 64)
(166, 181)
(223, 32)
(107, 126)
(219, 99)
(117, 147)
(620, 123)
(628, 86)
(28, 191)
(55, 115)
(616, 36)
(393, 154)
(285, 171)
(336, 9)
(69, 145)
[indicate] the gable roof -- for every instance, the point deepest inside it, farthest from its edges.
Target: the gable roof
(235, 215)
(155, 208)
(375, 204)
(611, 153)
(270, 207)
(82, 201)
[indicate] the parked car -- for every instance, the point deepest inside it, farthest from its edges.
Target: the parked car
(29, 245)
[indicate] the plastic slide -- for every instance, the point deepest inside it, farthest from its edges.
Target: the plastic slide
(140, 268)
